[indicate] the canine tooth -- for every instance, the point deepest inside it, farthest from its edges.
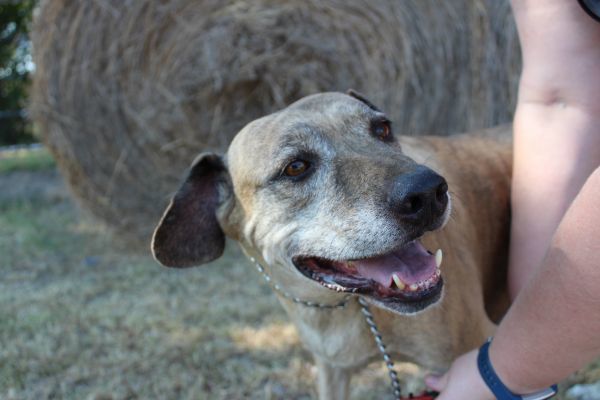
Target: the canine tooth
(438, 257)
(398, 282)
(413, 287)
(438, 272)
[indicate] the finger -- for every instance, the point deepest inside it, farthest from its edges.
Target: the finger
(436, 382)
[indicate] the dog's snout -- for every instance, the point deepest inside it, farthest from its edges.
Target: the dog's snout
(420, 196)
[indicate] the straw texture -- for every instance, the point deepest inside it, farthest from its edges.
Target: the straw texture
(126, 92)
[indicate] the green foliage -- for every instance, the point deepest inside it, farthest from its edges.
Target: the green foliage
(15, 66)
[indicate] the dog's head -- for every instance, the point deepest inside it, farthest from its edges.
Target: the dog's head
(321, 192)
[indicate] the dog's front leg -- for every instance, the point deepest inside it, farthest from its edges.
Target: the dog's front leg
(334, 382)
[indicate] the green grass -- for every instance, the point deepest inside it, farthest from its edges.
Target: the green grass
(26, 160)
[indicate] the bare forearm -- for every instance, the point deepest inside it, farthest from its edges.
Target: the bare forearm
(557, 135)
(554, 153)
(553, 327)
(559, 44)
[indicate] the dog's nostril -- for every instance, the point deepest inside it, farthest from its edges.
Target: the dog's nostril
(411, 205)
(441, 192)
(420, 195)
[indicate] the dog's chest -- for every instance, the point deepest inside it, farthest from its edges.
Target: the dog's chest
(341, 336)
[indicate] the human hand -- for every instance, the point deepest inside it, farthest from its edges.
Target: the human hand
(462, 381)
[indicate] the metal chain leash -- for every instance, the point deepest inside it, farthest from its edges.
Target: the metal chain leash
(382, 349)
(365, 311)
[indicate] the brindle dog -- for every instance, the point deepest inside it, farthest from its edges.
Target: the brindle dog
(332, 204)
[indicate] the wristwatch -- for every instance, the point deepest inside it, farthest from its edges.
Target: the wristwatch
(498, 388)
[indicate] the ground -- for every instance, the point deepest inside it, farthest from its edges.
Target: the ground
(82, 319)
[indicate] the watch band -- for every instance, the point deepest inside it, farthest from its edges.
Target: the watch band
(591, 7)
(498, 388)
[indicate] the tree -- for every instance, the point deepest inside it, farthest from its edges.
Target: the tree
(15, 67)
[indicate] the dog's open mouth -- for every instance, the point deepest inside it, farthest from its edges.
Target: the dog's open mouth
(409, 273)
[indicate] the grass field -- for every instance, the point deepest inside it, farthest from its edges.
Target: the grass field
(25, 160)
(80, 319)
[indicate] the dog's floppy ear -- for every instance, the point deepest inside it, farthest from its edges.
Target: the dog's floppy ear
(189, 233)
(359, 96)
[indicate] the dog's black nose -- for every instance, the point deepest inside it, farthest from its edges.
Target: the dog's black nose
(420, 196)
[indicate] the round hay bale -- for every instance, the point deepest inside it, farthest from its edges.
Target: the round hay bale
(126, 92)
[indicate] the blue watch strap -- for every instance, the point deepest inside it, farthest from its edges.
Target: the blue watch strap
(498, 388)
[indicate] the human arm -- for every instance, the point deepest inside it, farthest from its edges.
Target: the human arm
(547, 333)
(553, 327)
(556, 126)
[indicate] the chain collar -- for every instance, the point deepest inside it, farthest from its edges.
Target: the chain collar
(342, 304)
(295, 299)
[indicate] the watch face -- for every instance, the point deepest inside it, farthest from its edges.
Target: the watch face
(592, 7)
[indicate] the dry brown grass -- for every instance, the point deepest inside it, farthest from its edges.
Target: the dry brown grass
(127, 92)
(81, 319)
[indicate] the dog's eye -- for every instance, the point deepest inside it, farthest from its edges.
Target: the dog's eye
(296, 168)
(382, 130)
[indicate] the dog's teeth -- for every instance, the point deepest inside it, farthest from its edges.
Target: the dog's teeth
(438, 257)
(438, 272)
(413, 287)
(401, 285)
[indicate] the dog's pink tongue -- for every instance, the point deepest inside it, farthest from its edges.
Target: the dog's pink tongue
(412, 264)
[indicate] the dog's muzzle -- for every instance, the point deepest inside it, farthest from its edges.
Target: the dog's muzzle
(408, 277)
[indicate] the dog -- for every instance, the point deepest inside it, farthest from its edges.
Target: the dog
(334, 206)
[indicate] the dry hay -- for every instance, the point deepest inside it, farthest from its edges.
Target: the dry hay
(126, 92)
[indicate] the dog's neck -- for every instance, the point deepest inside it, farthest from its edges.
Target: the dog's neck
(284, 294)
